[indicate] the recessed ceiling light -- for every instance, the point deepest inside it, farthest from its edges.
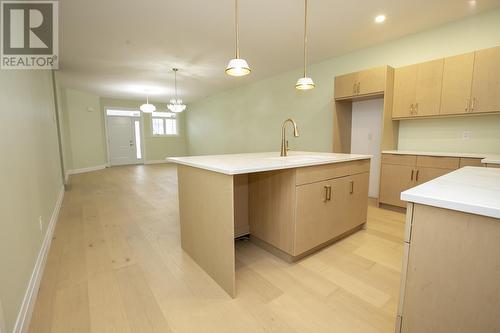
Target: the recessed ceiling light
(472, 3)
(379, 18)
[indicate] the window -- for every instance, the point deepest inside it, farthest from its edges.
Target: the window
(164, 123)
(123, 113)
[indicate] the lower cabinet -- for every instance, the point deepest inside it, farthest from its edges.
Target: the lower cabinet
(395, 179)
(296, 219)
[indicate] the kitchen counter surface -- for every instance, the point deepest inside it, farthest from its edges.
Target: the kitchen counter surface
(485, 158)
(473, 190)
(234, 164)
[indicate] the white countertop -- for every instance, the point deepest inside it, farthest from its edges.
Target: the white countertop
(234, 164)
(473, 190)
(485, 158)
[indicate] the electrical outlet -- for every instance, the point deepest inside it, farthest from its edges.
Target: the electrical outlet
(40, 222)
(466, 135)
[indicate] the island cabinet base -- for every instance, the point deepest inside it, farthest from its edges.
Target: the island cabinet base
(294, 212)
(451, 272)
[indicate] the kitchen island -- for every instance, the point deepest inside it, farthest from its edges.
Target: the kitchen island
(291, 206)
(451, 267)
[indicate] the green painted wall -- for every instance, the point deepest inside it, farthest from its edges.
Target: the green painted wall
(248, 118)
(30, 179)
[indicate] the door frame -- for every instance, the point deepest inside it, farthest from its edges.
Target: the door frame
(106, 130)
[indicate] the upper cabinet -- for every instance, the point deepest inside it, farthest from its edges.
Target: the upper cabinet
(485, 96)
(417, 89)
(463, 84)
(363, 83)
(457, 83)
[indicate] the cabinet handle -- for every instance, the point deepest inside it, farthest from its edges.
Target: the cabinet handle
(359, 87)
(329, 193)
(412, 172)
(354, 89)
(352, 186)
(411, 108)
(416, 108)
(473, 104)
(467, 102)
(416, 176)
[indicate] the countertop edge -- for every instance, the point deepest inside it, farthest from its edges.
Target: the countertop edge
(264, 169)
(492, 158)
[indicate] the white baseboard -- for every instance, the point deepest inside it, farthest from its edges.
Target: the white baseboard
(156, 162)
(28, 304)
(83, 170)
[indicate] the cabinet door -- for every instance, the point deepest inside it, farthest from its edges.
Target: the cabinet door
(428, 88)
(486, 81)
(372, 81)
(317, 218)
(345, 85)
(423, 175)
(395, 179)
(457, 83)
(357, 207)
(405, 79)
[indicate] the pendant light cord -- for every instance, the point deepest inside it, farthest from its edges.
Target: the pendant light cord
(305, 37)
(175, 82)
(236, 18)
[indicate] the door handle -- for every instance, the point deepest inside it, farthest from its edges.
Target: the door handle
(352, 187)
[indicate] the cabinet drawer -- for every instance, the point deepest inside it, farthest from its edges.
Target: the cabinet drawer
(409, 160)
(438, 162)
(466, 161)
(318, 173)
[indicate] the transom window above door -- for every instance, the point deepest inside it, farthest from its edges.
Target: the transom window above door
(164, 124)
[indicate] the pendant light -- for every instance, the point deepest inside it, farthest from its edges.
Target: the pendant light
(305, 83)
(237, 66)
(176, 104)
(147, 108)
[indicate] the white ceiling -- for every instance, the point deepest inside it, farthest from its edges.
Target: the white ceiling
(123, 48)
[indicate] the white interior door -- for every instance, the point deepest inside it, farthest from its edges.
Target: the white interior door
(124, 140)
(366, 136)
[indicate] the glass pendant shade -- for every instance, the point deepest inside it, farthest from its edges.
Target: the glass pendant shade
(147, 108)
(305, 83)
(176, 105)
(238, 67)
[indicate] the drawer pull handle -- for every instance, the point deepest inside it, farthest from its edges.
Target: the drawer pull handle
(412, 172)
(328, 193)
(352, 187)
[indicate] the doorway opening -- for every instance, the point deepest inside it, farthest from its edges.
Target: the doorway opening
(124, 137)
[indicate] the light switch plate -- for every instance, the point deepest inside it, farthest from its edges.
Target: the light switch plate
(466, 135)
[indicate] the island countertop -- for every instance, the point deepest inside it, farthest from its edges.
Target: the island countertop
(234, 164)
(473, 190)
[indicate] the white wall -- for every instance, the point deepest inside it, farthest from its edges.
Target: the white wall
(366, 135)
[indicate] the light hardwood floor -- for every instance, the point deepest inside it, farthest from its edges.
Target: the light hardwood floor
(116, 265)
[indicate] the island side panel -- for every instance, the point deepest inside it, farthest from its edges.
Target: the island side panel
(453, 272)
(206, 211)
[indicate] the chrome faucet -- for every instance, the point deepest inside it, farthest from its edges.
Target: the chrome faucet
(284, 142)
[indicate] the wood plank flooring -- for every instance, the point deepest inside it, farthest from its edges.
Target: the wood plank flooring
(116, 265)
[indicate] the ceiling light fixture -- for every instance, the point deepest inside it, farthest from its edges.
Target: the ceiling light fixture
(305, 83)
(472, 3)
(380, 19)
(176, 104)
(147, 108)
(237, 66)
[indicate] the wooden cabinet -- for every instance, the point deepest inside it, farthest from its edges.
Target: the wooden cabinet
(485, 96)
(366, 82)
(405, 80)
(395, 179)
(467, 161)
(401, 172)
(417, 90)
(457, 82)
(295, 211)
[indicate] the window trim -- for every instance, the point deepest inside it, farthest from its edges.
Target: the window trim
(174, 116)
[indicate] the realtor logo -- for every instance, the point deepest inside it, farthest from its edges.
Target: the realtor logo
(29, 35)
